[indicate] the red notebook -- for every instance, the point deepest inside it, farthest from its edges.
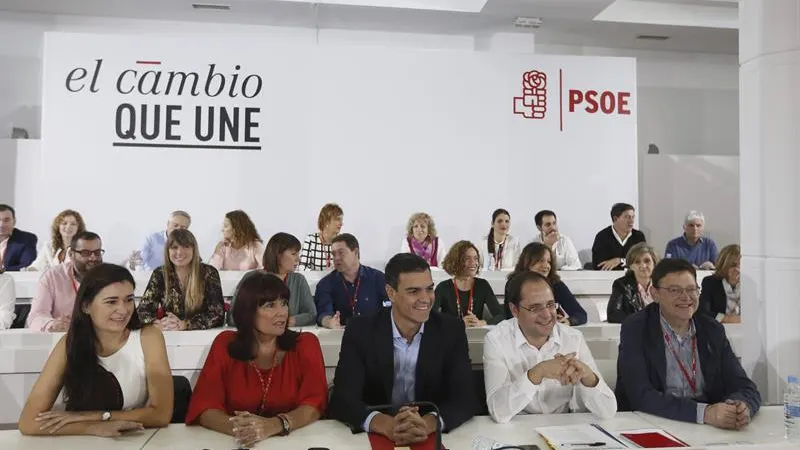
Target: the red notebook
(653, 439)
(381, 442)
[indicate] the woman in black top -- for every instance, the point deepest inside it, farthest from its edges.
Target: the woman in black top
(538, 257)
(719, 296)
(631, 292)
(465, 294)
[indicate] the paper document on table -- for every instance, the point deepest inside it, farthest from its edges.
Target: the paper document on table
(579, 437)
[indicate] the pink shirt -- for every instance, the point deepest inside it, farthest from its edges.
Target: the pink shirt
(54, 298)
(246, 258)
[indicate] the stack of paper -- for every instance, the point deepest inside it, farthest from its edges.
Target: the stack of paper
(579, 437)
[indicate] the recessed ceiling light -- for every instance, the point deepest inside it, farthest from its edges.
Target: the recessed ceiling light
(527, 22)
(211, 7)
(652, 37)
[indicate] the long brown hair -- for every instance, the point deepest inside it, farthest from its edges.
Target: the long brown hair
(532, 253)
(195, 285)
(87, 386)
(55, 232)
(244, 230)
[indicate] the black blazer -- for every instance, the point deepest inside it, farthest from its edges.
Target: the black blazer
(625, 299)
(642, 368)
(20, 251)
(713, 299)
(365, 373)
(606, 246)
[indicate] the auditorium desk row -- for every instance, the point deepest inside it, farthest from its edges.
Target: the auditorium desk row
(764, 433)
(592, 288)
(23, 354)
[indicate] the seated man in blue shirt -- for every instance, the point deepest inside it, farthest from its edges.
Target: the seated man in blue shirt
(152, 253)
(351, 289)
(692, 246)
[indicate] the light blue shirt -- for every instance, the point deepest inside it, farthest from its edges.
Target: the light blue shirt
(405, 368)
(676, 381)
(153, 250)
(705, 250)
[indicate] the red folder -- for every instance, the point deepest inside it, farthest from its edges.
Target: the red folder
(653, 440)
(381, 442)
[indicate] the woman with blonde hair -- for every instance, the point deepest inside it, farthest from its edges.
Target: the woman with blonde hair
(465, 295)
(316, 252)
(422, 240)
(720, 293)
(183, 294)
(65, 226)
(241, 248)
(631, 293)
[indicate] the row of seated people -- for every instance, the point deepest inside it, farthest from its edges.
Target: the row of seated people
(185, 294)
(264, 380)
(241, 246)
(182, 283)
(720, 295)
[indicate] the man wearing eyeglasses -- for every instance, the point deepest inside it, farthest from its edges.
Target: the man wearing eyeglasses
(533, 364)
(677, 364)
(51, 307)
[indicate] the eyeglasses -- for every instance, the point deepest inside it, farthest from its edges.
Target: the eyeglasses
(676, 291)
(89, 253)
(537, 308)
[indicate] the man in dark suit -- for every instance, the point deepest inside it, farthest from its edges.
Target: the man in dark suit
(677, 364)
(401, 355)
(17, 247)
(612, 243)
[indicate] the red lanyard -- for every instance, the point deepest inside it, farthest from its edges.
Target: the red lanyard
(286, 279)
(693, 379)
(74, 283)
(265, 386)
(354, 299)
(458, 298)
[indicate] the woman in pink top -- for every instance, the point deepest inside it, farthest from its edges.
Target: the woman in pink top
(241, 248)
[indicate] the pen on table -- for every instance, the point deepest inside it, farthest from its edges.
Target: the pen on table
(584, 444)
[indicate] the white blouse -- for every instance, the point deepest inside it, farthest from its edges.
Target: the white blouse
(127, 365)
(47, 257)
(511, 251)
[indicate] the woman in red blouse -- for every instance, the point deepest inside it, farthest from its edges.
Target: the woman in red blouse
(264, 379)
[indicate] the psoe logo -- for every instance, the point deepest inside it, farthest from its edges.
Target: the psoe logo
(533, 103)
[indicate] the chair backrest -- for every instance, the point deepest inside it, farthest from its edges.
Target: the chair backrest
(183, 394)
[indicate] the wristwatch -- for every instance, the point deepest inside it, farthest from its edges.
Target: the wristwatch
(287, 426)
(106, 416)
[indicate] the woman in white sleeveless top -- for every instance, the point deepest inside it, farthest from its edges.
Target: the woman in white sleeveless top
(115, 374)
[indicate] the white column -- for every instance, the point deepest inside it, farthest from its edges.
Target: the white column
(769, 57)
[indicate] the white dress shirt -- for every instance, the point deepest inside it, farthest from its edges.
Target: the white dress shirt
(511, 251)
(566, 253)
(8, 297)
(507, 356)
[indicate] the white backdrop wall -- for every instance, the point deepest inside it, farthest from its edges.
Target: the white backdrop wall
(663, 78)
(383, 132)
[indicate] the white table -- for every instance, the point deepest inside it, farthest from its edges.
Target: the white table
(766, 427)
(13, 439)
